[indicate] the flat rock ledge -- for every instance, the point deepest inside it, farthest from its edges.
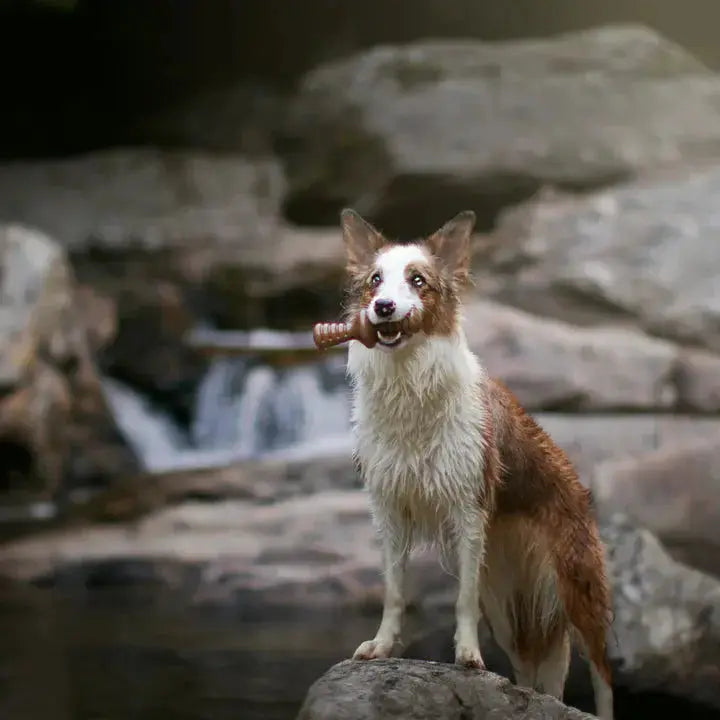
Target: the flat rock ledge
(420, 690)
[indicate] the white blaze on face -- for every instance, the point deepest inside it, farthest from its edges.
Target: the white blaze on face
(394, 285)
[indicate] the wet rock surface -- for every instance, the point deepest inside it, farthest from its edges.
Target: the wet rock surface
(419, 690)
(55, 427)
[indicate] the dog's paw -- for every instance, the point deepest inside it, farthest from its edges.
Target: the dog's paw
(373, 650)
(469, 657)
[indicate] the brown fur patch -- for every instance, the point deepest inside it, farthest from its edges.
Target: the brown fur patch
(438, 297)
(532, 638)
(539, 483)
(492, 469)
(359, 291)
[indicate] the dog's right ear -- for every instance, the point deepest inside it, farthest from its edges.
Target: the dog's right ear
(362, 240)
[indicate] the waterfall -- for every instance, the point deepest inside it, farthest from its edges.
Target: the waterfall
(243, 409)
(152, 435)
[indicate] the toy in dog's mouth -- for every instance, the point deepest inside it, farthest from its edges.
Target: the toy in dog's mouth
(386, 334)
(390, 334)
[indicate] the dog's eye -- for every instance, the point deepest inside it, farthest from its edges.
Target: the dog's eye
(417, 280)
(375, 280)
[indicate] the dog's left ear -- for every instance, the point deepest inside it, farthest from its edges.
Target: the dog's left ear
(451, 245)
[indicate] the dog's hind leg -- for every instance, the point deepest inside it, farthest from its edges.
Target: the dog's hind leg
(525, 672)
(545, 669)
(552, 670)
(603, 692)
(591, 635)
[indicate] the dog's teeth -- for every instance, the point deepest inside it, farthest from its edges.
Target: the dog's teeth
(389, 339)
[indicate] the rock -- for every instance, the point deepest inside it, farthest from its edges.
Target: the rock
(173, 238)
(259, 481)
(666, 617)
(554, 365)
(409, 134)
(239, 118)
(145, 200)
(672, 491)
(52, 403)
(419, 690)
(643, 253)
(99, 316)
(697, 379)
(287, 282)
(591, 439)
(318, 549)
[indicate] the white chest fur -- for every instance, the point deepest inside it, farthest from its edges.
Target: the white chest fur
(418, 420)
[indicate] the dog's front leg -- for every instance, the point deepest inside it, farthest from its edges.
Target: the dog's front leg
(395, 551)
(470, 553)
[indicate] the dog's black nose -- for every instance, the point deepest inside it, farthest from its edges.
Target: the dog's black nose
(384, 308)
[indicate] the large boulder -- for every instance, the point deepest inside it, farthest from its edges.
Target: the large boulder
(590, 439)
(551, 365)
(172, 238)
(408, 134)
(673, 492)
(417, 690)
(147, 200)
(666, 627)
(644, 252)
(52, 410)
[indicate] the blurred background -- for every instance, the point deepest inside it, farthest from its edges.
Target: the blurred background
(182, 533)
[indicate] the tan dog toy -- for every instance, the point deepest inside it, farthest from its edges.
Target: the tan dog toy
(327, 335)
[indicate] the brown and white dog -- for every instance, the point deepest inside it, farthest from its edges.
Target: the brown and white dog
(449, 456)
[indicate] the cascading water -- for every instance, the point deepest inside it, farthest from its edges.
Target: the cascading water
(257, 409)
(244, 409)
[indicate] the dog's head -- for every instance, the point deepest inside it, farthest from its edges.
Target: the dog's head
(389, 279)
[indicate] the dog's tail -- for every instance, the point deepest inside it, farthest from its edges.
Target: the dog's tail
(585, 594)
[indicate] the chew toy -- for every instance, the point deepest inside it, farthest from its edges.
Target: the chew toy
(360, 328)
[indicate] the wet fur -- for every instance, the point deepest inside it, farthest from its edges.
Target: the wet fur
(449, 456)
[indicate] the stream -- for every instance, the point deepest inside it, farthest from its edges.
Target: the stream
(141, 654)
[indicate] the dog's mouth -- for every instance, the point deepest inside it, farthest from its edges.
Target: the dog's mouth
(389, 334)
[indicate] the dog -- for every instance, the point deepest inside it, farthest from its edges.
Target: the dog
(449, 456)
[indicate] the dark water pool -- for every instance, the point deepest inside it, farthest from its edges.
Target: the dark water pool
(105, 654)
(131, 656)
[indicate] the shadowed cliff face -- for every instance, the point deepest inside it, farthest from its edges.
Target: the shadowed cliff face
(78, 76)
